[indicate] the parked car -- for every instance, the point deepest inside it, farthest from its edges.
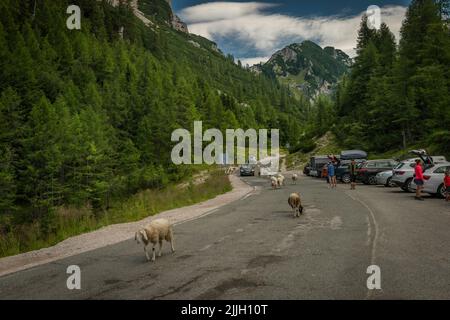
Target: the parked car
(343, 171)
(307, 169)
(247, 170)
(403, 173)
(434, 179)
(370, 168)
(317, 163)
(385, 178)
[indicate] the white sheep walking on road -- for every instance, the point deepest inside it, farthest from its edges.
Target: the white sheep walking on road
(296, 204)
(274, 182)
(155, 232)
(294, 178)
(280, 180)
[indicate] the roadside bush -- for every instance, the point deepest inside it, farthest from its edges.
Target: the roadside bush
(304, 146)
(19, 234)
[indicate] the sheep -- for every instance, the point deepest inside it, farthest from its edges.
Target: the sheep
(155, 232)
(230, 170)
(294, 178)
(280, 180)
(274, 182)
(296, 204)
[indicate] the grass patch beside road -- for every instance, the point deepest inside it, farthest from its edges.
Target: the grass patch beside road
(70, 221)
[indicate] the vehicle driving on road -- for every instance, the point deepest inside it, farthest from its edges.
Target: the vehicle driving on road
(247, 170)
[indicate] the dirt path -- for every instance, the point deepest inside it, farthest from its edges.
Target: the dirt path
(119, 232)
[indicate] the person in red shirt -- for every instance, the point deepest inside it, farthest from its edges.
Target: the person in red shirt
(418, 180)
(447, 185)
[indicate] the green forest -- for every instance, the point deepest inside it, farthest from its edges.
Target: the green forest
(86, 115)
(399, 96)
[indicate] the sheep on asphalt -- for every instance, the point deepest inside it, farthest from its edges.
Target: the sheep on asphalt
(274, 182)
(155, 232)
(294, 178)
(296, 204)
(280, 180)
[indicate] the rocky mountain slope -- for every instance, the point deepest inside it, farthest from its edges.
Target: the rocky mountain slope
(148, 10)
(307, 68)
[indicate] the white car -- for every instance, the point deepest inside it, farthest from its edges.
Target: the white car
(385, 178)
(403, 173)
(434, 179)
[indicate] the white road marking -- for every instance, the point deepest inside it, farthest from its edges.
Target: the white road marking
(369, 231)
(195, 218)
(206, 247)
(375, 237)
(246, 196)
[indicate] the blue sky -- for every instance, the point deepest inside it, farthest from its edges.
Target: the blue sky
(253, 30)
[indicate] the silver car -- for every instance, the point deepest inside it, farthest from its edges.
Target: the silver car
(385, 178)
(403, 174)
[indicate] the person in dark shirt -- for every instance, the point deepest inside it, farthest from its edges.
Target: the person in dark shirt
(353, 174)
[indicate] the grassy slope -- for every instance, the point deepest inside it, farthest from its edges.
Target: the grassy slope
(326, 144)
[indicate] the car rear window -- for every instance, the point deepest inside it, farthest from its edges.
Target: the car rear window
(399, 166)
(382, 164)
(442, 169)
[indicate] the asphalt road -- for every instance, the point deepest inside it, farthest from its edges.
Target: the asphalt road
(255, 249)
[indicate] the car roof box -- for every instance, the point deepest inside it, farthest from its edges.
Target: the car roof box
(353, 154)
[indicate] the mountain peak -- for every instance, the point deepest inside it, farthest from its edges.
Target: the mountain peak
(307, 68)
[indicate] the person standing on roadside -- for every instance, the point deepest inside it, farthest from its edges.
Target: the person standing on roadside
(447, 185)
(331, 175)
(353, 174)
(418, 180)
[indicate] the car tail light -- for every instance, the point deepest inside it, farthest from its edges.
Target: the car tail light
(400, 173)
(426, 177)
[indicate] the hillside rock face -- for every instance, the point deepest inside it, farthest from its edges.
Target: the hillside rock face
(176, 22)
(179, 25)
(307, 68)
(155, 8)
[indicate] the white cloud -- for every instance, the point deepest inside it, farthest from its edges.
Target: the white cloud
(263, 33)
(214, 11)
(252, 61)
